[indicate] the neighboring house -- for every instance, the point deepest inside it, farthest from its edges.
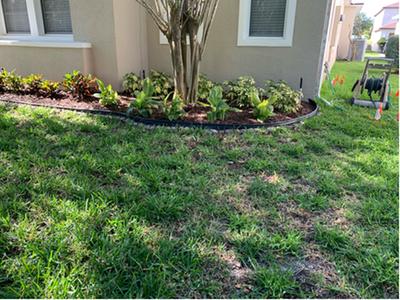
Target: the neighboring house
(343, 15)
(268, 39)
(385, 23)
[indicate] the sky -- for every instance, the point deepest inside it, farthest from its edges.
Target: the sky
(371, 7)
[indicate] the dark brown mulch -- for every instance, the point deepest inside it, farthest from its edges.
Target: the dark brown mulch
(195, 113)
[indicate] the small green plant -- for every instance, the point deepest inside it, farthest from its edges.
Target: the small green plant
(219, 107)
(238, 92)
(80, 85)
(285, 99)
(382, 43)
(11, 82)
(131, 84)
(205, 86)
(174, 109)
(262, 109)
(162, 83)
(32, 84)
(145, 103)
(49, 88)
(107, 95)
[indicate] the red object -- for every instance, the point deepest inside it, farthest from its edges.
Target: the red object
(398, 93)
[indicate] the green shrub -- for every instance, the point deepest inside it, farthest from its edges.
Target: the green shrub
(145, 103)
(392, 49)
(162, 83)
(382, 43)
(107, 95)
(80, 85)
(32, 84)
(238, 92)
(11, 82)
(50, 88)
(2, 80)
(286, 99)
(174, 109)
(131, 84)
(219, 108)
(262, 109)
(205, 87)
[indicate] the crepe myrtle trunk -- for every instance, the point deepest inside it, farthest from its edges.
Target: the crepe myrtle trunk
(180, 21)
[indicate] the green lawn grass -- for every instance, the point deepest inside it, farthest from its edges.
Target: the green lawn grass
(97, 207)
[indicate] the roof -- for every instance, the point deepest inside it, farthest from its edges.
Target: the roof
(391, 25)
(390, 6)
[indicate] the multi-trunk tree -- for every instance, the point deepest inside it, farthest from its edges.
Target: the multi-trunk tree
(180, 21)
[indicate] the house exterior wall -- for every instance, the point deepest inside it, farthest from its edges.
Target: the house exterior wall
(111, 33)
(225, 60)
(114, 37)
(387, 15)
(350, 13)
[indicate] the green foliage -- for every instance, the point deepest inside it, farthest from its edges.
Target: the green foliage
(33, 84)
(219, 107)
(205, 87)
(382, 43)
(262, 109)
(131, 84)
(162, 83)
(285, 99)
(49, 88)
(145, 102)
(107, 95)
(11, 82)
(363, 26)
(392, 49)
(80, 85)
(173, 109)
(238, 92)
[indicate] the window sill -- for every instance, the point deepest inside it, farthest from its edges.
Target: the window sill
(44, 44)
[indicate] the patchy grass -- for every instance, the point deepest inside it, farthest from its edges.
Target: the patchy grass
(96, 207)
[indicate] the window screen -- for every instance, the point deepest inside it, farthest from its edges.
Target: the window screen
(267, 18)
(56, 16)
(16, 16)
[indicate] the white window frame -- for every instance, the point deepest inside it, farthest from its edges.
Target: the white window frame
(36, 24)
(244, 38)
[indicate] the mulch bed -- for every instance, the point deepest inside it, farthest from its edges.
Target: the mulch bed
(195, 113)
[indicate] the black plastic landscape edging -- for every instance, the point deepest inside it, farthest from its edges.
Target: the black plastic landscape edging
(185, 124)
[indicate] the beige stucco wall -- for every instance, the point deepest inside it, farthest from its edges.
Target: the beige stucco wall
(114, 28)
(53, 63)
(350, 13)
(225, 60)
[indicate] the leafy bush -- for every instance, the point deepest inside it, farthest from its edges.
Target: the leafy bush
(144, 104)
(80, 85)
(392, 49)
(238, 92)
(173, 110)
(262, 109)
(205, 86)
(162, 83)
(219, 108)
(382, 43)
(131, 84)
(11, 82)
(33, 83)
(49, 88)
(107, 95)
(286, 99)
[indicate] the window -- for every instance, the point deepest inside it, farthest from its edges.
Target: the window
(56, 16)
(16, 16)
(35, 19)
(266, 23)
